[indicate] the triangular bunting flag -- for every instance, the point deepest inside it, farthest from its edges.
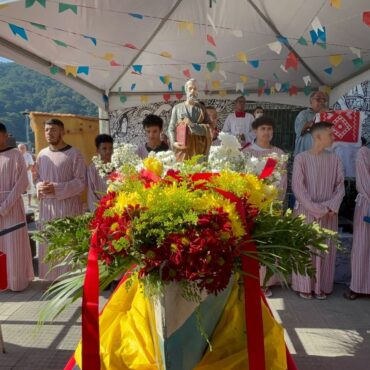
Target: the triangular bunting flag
(335, 60)
(165, 54)
(261, 83)
(189, 26)
(358, 62)
(302, 41)
(136, 15)
(211, 40)
(254, 63)
(244, 78)
(276, 76)
(137, 68)
(267, 91)
(170, 87)
(64, 6)
(245, 92)
(130, 46)
(70, 70)
(328, 70)
(211, 53)
(222, 93)
(275, 46)
(92, 39)
(239, 87)
(283, 40)
(83, 70)
(196, 66)
(282, 67)
(108, 56)
(307, 80)
(278, 86)
(291, 61)
(293, 90)
(133, 86)
(178, 96)
(335, 3)
(210, 20)
(242, 57)
(223, 74)
(144, 99)
(30, 3)
(186, 73)
(123, 99)
(113, 63)
(60, 43)
(356, 51)
(216, 84)
(166, 97)
(54, 70)
(260, 92)
(366, 18)
(285, 86)
(211, 66)
(18, 31)
(38, 25)
(307, 90)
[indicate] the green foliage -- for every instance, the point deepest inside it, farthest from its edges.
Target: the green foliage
(22, 88)
(286, 243)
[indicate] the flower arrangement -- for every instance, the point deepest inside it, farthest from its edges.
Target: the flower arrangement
(187, 222)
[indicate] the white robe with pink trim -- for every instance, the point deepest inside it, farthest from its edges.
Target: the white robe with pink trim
(318, 185)
(360, 257)
(66, 169)
(15, 244)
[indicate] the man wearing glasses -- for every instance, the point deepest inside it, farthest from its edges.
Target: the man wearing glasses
(305, 119)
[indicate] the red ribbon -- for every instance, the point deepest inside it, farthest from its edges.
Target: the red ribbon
(3, 272)
(90, 311)
(269, 168)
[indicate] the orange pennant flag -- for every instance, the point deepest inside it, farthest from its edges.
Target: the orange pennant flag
(335, 60)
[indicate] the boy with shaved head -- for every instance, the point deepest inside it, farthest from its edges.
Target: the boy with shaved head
(318, 185)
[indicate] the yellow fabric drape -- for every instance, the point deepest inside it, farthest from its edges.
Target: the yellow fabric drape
(127, 339)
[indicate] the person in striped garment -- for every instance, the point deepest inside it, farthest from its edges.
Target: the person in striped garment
(263, 128)
(60, 181)
(318, 185)
(360, 255)
(14, 240)
(97, 185)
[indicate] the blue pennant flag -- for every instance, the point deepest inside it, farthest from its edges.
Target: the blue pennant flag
(83, 69)
(133, 87)
(92, 39)
(20, 31)
(136, 15)
(285, 87)
(196, 66)
(328, 70)
(283, 40)
(137, 68)
(254, 63)
(170, 86)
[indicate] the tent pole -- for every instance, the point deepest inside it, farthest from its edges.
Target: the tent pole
(104, 127)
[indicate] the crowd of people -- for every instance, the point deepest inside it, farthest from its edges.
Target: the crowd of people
(61, 177)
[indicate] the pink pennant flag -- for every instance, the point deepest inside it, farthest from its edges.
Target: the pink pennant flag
(211, 40)
(130, 46)
(113, 63)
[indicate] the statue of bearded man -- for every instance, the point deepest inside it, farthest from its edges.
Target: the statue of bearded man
(189, 132)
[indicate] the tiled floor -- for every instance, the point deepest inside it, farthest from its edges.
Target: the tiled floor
(325, 335)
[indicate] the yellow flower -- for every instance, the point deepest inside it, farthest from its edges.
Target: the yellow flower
(153, 165)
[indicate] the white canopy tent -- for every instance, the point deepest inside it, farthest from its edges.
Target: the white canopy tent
(120, 53)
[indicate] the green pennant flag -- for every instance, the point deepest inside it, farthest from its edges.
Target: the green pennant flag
(307, 90)
(123, 99)
(60, 43)
(211, 53)
(54, 70)
(261, 83)
(64, 6)
(211, 66)
(30, 3)
(358, 62)
(38, 25)
(302, 41)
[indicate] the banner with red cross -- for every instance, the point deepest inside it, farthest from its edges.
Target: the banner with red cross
(347, 125)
